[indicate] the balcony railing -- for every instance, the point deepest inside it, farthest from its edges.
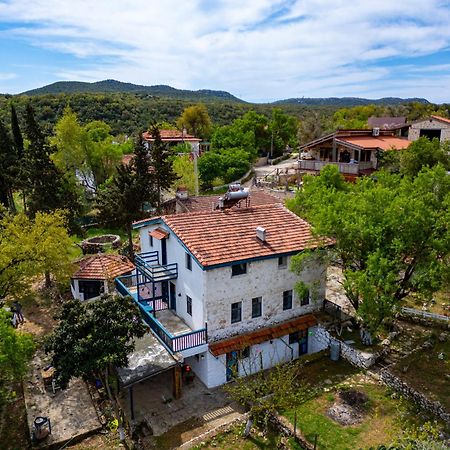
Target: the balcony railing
(347, 168)
(148, 265)
(127, 285)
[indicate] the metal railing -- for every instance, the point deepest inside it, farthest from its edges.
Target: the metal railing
(347, 168)
(147, 258)
(159, 273)
(332, 309)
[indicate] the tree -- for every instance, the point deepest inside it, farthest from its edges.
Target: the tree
(391, 235)
(195, 119)
(283, 129)
(16, 349)
(29, 248)
(129, 194)
(309, 128)
(267, 393)
(183, 167)
(8, 166)
(93, 338)
(17, 140)
(163, 173)
(46, 186)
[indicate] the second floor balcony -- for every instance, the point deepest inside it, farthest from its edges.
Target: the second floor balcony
(344, 168)
(147, 264)
(170, 329)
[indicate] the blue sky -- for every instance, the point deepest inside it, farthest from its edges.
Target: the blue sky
(259, 50)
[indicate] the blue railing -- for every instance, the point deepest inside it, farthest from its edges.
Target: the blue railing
(174, 343)
(148, 265)
(146, 258)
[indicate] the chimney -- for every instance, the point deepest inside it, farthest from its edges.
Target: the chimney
(182, 193)
(261, 234)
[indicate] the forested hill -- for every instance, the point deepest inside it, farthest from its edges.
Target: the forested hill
(108, 86)
(344, 102)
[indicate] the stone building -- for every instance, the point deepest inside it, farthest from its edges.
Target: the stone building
(216, 289)
(434, 127)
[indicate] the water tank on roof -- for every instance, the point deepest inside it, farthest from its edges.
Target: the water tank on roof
(236, 195)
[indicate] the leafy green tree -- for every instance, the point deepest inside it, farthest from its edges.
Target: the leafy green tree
(283, 129)
(16, 349)
(195, 119)
(130, 193)
(310, 128)
(183, 167)
(424, 153)
(30, 248)
(162, 165)
(271, 392)
(93, 338)
(391, 235)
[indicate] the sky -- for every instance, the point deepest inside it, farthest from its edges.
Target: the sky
(258, 50)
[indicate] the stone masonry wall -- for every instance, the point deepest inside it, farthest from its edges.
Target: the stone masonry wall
(400, 386)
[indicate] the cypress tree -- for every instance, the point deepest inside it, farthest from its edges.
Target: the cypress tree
(17, 141)
(8, 164)
(163, 173)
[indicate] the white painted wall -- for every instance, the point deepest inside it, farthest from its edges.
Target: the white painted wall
(188, 282)
(75, 289)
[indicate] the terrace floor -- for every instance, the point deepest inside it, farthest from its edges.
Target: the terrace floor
(172, 323)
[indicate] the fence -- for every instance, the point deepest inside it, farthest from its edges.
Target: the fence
(424, 314)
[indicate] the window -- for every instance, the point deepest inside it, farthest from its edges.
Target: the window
(236, 312)
(238, 269)
(287, 300)
(150, 240)
(188, 261)
(282, 262)
(256, 307)
(294, 337)
(364, 155)
(305, 298)
(244, 353)
(189, 305)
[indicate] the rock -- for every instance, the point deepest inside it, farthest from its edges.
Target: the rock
(428, 345)
(328, 381)
(443, 337)
(386, 342)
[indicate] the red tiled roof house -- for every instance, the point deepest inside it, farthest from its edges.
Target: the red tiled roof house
(224, 277)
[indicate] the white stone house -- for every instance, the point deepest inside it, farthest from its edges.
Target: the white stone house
(433, 127)
(217, 291)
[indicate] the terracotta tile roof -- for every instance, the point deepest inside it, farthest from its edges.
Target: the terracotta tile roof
(262, 335)
(159, 233)
(171, 136)
(221, 237)
(103, 266)
(442, 119)
(208, 202)
(377, 142)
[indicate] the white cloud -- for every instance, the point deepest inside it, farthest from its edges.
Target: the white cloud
(259, 49)
(7, 76)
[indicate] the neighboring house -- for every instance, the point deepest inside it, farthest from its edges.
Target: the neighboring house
(216, 289)
(174, 137)
(184, 203)
(354, 152)
(96, 274)
(434, 127)
(397, 124)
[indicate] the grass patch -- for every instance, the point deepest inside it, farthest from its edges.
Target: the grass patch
(427, 371)
(439, 304)
(385, 418)
(233, 439)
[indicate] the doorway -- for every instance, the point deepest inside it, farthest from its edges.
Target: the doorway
(232, 365)
(173, 296)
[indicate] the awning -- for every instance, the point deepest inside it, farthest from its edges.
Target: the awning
(159, 233)
(262, 335)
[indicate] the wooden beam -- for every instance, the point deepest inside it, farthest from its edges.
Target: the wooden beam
(177, 382)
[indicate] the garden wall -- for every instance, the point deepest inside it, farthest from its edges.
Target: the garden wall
(358, 358)
(400, 386)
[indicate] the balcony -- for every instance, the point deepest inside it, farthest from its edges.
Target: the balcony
(170, 329)
(345, 168)
(148, 265)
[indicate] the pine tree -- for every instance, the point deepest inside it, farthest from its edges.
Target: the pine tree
(163, 173)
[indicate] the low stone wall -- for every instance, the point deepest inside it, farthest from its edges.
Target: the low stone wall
(284, 427)
(400, 386)
(425, 318)
(358, 358)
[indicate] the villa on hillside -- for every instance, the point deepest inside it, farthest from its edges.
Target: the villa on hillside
(174, 137)
(354, 152)
(216, 291)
